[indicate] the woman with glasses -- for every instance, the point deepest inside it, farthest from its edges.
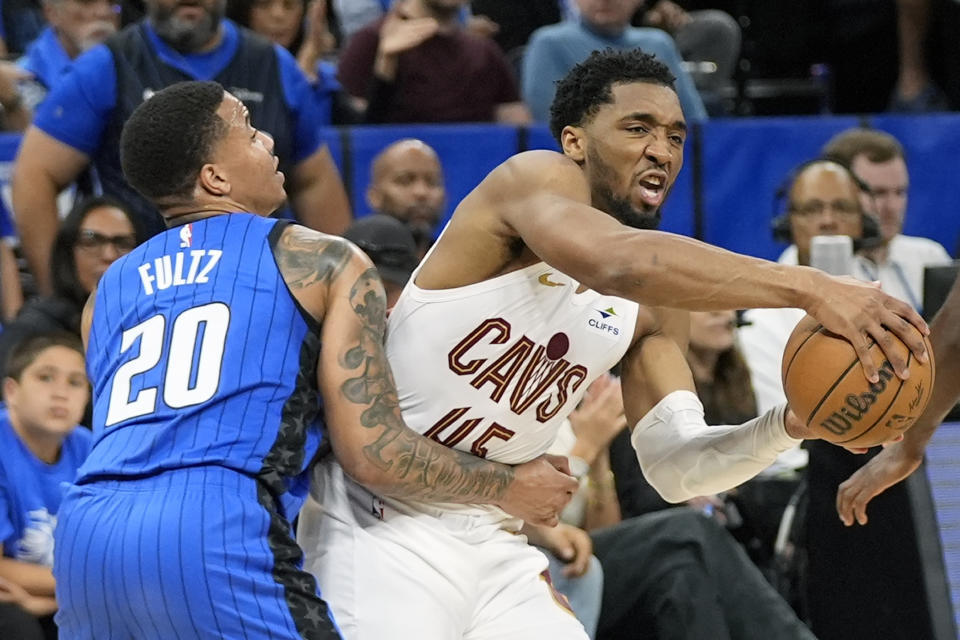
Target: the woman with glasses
(95, 233)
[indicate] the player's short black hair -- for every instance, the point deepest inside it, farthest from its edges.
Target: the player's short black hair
(26, 351)
(169, 137)
(588, 85)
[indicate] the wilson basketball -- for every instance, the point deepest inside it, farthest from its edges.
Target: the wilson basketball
(826, 388)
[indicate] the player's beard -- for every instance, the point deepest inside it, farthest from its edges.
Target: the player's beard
(619, 207)
(183, 35)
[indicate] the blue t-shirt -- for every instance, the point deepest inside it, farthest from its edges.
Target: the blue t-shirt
(31, 491)
(78, 108)
(45, 58)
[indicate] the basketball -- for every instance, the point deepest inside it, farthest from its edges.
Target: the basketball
(826, 388)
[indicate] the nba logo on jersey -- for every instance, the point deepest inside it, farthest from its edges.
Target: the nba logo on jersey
(186, 236)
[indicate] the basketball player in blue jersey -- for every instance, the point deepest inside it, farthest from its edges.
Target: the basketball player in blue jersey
(223, 353)
(548, 274)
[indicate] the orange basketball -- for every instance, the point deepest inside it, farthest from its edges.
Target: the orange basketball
(826, 388)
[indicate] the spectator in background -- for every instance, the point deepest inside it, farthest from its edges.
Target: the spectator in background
(419, 64)
(301, 28)
(554, 50)
(406, 182)
(11, 289)
(390, 245)
(94, 234)
(827, 198)
(80, 121)
(518, 20)
(710, 35)
(898, 261)
(74, 26)
(823, 198)
(719, 371)
(45, 389)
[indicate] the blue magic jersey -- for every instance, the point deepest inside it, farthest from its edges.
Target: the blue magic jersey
(199, 355)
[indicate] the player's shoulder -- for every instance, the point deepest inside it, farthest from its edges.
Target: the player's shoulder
(539, 166)
(306, 256)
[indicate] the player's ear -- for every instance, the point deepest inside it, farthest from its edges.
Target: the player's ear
(573, 144)
(214, 180)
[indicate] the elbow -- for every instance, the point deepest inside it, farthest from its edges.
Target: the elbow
(668, 488)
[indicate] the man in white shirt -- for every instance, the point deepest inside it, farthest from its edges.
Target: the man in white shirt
(826, 198)
(898, 262)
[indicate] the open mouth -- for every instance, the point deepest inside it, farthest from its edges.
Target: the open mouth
(652, 187)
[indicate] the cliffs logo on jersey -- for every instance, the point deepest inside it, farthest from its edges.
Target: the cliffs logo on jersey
(605, 322)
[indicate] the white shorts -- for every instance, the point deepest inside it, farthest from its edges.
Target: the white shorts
(424, 576)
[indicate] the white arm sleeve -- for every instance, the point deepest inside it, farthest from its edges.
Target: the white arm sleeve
(682, 457)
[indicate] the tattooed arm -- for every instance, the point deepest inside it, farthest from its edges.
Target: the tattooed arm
(368, 434)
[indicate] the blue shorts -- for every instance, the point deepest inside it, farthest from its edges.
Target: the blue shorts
(189, 553)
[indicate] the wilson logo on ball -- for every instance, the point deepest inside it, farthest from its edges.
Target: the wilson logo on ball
(857, 405)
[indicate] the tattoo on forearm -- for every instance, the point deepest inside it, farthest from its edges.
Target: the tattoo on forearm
(426, 469)
(306, 258)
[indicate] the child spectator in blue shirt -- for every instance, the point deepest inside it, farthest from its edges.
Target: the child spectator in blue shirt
(45, 389)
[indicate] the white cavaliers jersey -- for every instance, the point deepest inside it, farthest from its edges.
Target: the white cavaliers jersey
(492, 368)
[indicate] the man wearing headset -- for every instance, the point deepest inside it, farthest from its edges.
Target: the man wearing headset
(824, 197)
(897, 261)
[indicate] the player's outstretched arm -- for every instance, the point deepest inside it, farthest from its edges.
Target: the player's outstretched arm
(363, 417)
(543, 198)
(899, 460)
(680, 456)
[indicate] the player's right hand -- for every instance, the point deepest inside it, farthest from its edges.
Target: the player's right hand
(540, 490)
(884, 470)
(862, 313)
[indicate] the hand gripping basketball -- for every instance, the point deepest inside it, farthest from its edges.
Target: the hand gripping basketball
(829, 394)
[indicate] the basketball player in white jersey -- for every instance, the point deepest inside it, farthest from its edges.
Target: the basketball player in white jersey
(528, 296)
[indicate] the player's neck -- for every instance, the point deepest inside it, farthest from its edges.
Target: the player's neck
(176, 215)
